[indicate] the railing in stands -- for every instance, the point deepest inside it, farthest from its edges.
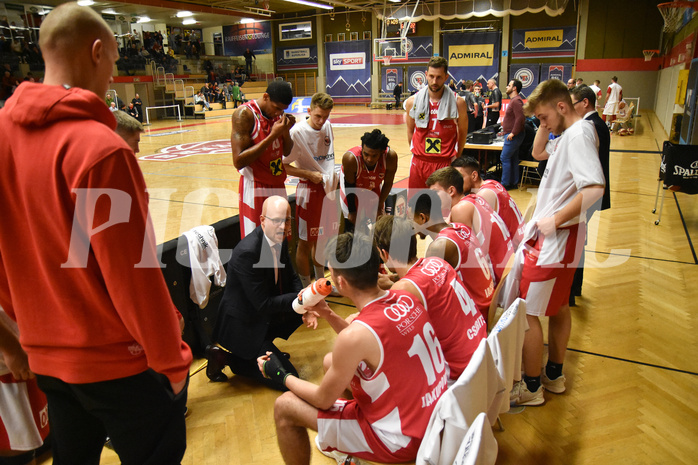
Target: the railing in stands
(112, 91)
(189, 96)
(160, 75)
(169, 79)
(178, 85)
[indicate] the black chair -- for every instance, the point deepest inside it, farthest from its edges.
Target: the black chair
(678, 172)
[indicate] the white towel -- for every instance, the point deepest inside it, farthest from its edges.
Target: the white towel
(205, 262)
(448, 108)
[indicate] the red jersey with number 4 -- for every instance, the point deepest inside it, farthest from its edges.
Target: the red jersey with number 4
(493, 235)
(267, 169)
(457, 321)
(474, 267)
(399, 396)
(507, 210)
(438, 139)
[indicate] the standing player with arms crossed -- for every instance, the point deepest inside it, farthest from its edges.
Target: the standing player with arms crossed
(388, 354)
(437, 125)
(260, 139)
(313, 154)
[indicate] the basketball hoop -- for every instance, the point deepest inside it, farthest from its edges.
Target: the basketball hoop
(649, 54)
(672, 13)
(386, 60)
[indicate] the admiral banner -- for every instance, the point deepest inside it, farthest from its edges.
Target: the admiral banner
(390, 77)
(473, 55)
(544, 43)
(289, 58)
(562, 72)
(348, 68)
(240, 37)
(528, 74)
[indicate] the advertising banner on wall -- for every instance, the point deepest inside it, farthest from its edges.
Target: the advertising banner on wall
(239, 37)
(562, 71)
(419, 49)
(290, 58)
(348, 68)
(390, 77)
(528, 74)
(473, 55)
(416, 78)
(543, 43)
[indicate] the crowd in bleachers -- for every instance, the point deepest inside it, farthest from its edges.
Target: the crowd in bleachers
(134, 53)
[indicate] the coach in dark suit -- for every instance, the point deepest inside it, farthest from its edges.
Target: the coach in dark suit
(256, 306)
(584, 100)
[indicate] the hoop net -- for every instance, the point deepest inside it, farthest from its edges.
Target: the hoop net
(386, 60)
(672, 13)
(649, 54)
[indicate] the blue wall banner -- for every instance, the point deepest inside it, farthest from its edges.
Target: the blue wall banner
(528, 74)
(419, 49)
(562, 72)
(348, 68)
(289, 58)
(239, 37)
(390, 76)
(543, 43)
(473, 55)
(416, 78)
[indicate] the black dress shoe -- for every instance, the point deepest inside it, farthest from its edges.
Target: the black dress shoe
(216, 362)
(287, 355)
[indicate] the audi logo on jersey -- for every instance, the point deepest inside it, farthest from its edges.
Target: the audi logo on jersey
(431, 267)
(400, 309)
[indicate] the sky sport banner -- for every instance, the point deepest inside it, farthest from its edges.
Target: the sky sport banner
(472, 55)
(348, 68)
(416, 78)
(528, 74)
(562, 72)
(390, 77)
(544, 43)
(239, 37)
(289, 58)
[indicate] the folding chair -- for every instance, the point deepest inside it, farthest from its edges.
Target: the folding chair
(474, 392)
(479, 447)
(625, 120)
(529, 172)
(678, 172)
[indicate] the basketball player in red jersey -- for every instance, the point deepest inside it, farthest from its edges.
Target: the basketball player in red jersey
(457, 321)
(494, 194)
(437, 125)
(457, 244)
(396, 391)
(370, 166)
(260, 139)
(474, 212)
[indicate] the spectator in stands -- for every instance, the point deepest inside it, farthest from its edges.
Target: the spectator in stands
(112, 107)
(249, 55)
(132, 111)
(236, 94)
(200, 99)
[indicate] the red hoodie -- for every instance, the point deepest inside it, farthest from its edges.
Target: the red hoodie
(106, 318)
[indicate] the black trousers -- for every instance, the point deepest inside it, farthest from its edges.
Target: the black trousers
(140, 414)
(492, 117)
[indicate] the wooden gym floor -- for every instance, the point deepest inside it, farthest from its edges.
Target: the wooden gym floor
(631, 368)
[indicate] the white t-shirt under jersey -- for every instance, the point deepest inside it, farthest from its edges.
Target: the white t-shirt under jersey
(313, 150)
(573, 165)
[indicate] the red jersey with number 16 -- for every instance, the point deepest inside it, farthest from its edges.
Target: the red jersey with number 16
(398, 397)
(458, 323)
(474, 267)
(507, 210)
(438, 139)
(267, 169)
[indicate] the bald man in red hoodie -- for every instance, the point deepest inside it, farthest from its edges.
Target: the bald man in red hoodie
(78, 265)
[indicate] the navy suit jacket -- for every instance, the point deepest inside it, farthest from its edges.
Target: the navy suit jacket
(604, 148)
(252, 301)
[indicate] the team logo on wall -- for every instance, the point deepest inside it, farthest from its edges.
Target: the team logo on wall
(555, 72)
(524, 75)
(407, 47)
(190, 149)
(418, 79)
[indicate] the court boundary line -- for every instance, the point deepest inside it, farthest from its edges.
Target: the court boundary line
(685, 228)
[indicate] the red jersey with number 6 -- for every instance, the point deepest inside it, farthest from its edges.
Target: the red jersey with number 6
(399, 396)
(474, 267)
(438, 139)
(457, 322)
(267, 169)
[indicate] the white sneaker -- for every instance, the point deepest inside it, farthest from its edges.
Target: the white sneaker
(520, 395)
(340, 457)
(556, 385)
